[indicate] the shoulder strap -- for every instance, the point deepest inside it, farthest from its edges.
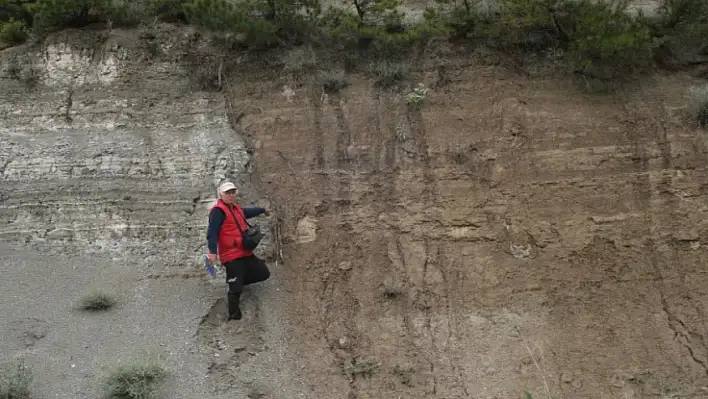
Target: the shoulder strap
(236, 219)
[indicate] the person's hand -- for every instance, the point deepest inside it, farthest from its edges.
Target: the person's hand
(266, 212)
(212, 258)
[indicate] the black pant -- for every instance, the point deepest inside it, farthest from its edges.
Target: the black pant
(240, 272)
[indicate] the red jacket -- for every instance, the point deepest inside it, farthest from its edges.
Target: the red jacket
(229, 244)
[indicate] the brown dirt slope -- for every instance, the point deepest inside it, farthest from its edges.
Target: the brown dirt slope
(513, 235)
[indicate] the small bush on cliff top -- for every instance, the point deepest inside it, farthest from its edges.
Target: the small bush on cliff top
(52, 14)
(258, 23)
(608, 36)
(594, 34)
(333, 81)
(681, 28)
(13, 32)
(167, 10)
(388, 74)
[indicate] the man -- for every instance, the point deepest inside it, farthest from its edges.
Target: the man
(226, 221)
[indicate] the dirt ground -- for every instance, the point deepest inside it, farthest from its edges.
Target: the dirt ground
(512, 235)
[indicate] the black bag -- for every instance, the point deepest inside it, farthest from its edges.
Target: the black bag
(252, 236)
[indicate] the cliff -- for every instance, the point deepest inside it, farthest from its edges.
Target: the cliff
(508, 234)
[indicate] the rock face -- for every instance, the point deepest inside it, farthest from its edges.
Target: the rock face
(108, 165)
(510, 235)
(96, 162)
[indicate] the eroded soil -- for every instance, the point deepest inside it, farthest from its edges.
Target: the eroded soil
(512, 235)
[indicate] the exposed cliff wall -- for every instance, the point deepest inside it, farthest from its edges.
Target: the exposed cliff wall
(511, 234)
(109, 159)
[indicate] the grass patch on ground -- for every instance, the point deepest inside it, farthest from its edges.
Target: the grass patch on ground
(96, 301)
(134, 380)
(15, 382)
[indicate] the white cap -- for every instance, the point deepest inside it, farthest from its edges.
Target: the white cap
(226, 186)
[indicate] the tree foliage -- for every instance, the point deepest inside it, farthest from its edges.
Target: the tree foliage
(591, 34)
(608, 35)
(15, 10)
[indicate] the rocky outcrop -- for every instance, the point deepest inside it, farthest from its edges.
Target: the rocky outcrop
(108, 154)
(508, 235)
(109, 159)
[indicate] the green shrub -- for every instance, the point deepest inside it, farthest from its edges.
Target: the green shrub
(301, 59)
(376, 27)
(388, 74)
(134, 381)
(167, 10)
(458, 18)
(13, 32)
(526, 23)
(96, 301)
(606, 36)
(379, 12)
(595, 36)
(333, 81)
(699, 105)
(257, 23)
(124, 12)
(54, 14)
(417, 96)
(15, 10)
(681, 29)
(243, 19)
(15, 382)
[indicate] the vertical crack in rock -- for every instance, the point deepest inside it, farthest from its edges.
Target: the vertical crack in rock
(195, 202)
(408, 322)
(665, 185)
(428, 313)
(69, 104)
(666, 206)
(451, 281)
(680, 330)
(341, 353)
(316, 105)
(3, 166)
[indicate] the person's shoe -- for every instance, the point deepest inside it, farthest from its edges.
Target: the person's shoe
(236, 315)
(234, 306)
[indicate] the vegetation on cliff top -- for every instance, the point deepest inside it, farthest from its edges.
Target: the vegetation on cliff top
(596, 38)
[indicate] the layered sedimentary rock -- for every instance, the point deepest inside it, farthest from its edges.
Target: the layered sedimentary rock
(109, 161)
(111, 155)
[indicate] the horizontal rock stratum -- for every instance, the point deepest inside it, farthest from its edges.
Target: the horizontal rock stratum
(108, 165)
